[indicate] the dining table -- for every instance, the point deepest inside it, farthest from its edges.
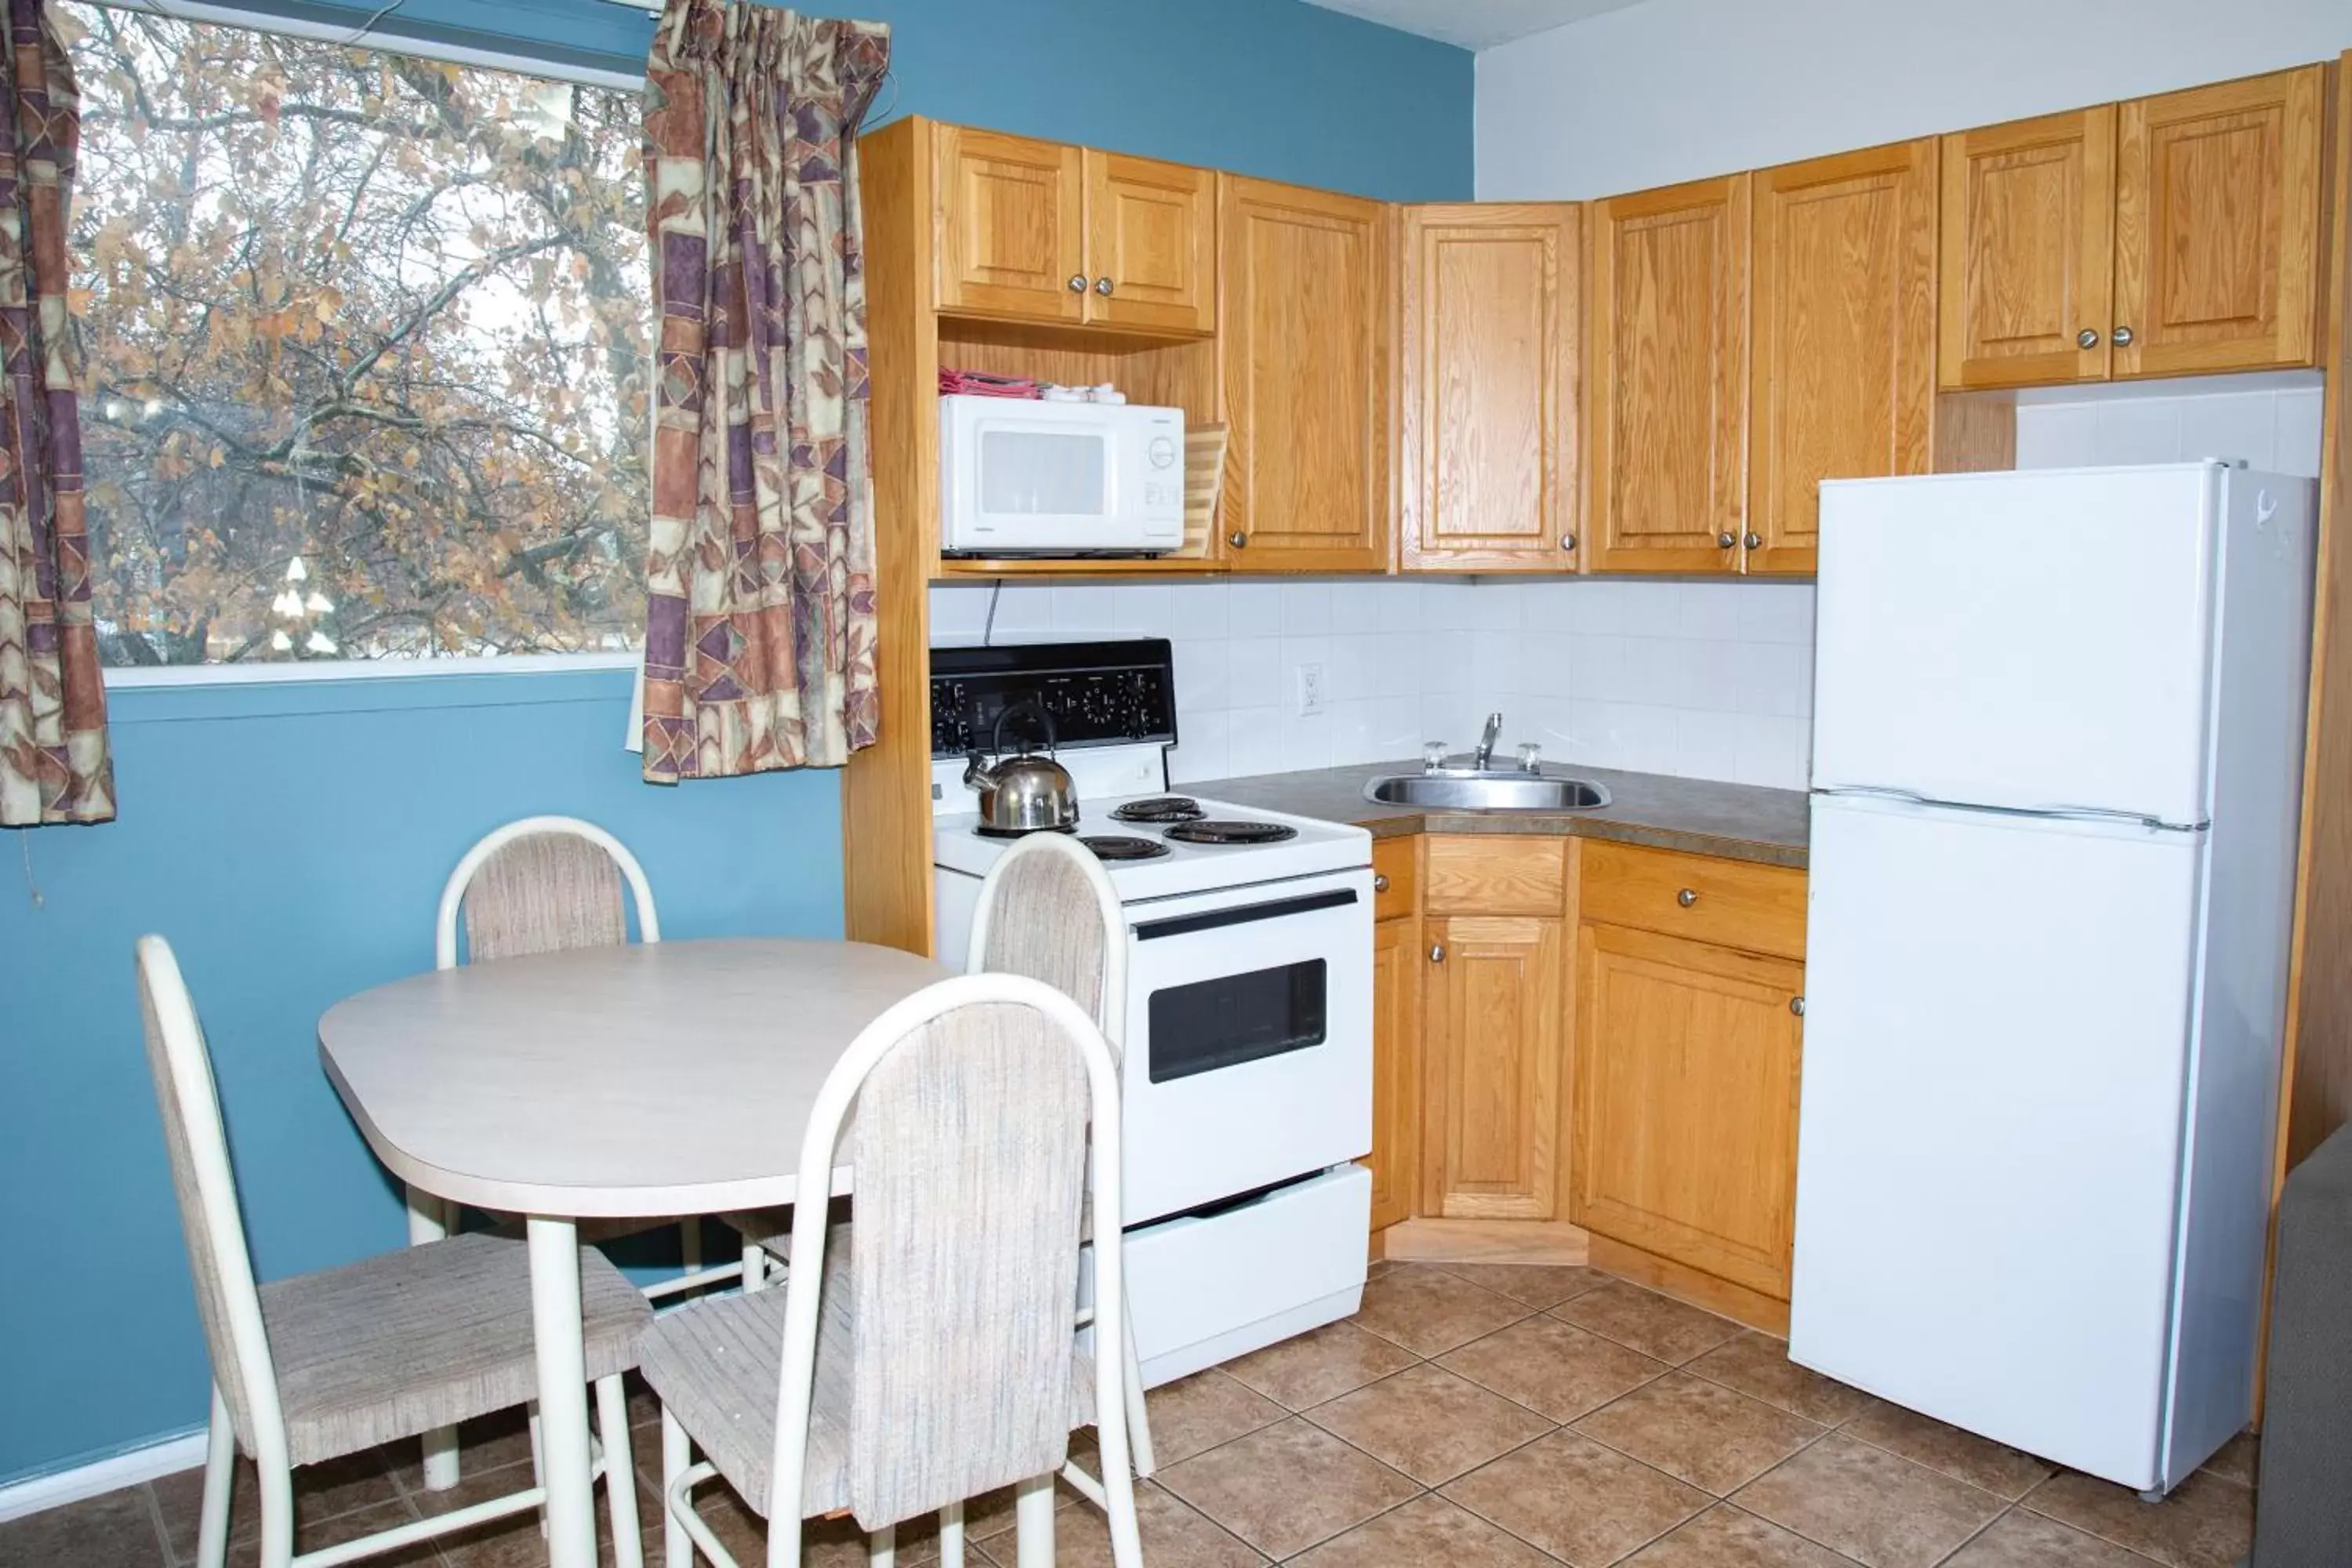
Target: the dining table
(637, 1082)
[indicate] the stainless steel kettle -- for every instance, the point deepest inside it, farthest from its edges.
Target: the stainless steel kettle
(1026, 792)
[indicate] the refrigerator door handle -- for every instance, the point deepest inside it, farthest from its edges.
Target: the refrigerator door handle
(2047, 812)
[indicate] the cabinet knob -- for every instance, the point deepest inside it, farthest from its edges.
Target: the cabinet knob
(1568, 542)
(1237, 539)
(2088, 338)
(1102, 287)
(1797, 1005)
(1077, 282)
(1687, 897)
(1437, 952)
(2123, 337)
(1379, 882)
(1754, 541)
(1725, 541)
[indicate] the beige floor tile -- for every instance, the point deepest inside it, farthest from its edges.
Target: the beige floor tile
(246, 1553)
(2237, 1459)
(1583, 1503)
(1429, 1424)
(2021, 1539)
(1174, 1536)
(321, 1492)
(1284, 1487)
(1426, 1532)
(1195, 1414)
(1876, 1507)
(1324, 1364)
(1430, 1311)
(2207, 1522)
(1758, 1366)
(1963, 1456)
(1715, 1438)
(1656, 1325)
(1723, 1537)
(1536, 1284)
(116, 1529)
(1552, 1367)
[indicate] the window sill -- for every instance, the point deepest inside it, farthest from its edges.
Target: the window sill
(184, 693)
(130, 678)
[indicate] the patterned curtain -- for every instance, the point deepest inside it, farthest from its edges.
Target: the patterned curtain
(55, 765)
(759, 607)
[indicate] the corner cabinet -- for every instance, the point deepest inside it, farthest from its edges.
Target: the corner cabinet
(1304, 306)
(1490, 296)
(1666, 416)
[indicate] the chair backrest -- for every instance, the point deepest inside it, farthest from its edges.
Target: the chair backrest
(210, 1216)
(974, 1098)
(1047, 910)
(543, 884)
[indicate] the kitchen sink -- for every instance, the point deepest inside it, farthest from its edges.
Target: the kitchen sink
(1495, 791)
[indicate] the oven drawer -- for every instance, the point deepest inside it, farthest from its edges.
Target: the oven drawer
(1396, 876)
(1727, 903)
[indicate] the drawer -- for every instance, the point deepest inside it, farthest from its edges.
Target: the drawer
(1396, 876)
(1727, 903)
(1495, 874)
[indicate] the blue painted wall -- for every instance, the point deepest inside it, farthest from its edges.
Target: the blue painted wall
(291, 840)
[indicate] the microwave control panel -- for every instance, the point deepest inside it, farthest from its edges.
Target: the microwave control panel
(1088, 694)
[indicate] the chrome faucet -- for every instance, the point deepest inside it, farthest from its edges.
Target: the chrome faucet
(1484, 756)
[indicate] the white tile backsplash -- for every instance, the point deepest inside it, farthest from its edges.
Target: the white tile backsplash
(2269, 422)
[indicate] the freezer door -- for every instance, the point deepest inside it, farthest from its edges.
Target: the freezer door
(2023, 639)
(1990, 1146)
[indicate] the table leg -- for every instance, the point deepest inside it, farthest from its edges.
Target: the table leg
(563, 1393)
(428, 1220)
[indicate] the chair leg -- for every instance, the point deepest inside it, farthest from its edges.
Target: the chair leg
(1032, 1519)
(690, 1243)
(677, 1453)
(1118, 1510)
(277, 1516)
(428, 1220)
(1138, 1415)
(882, 1548)
(620, 1472)
(538, 1468)
(951, 1536)
(755, 1266)
(220, 1472)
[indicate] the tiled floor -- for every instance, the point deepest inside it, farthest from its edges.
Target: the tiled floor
(1471, 1417)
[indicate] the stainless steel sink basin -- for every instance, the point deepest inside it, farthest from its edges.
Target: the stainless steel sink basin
(1495, 791)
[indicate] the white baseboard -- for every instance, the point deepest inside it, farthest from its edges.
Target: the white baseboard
(164, 1456)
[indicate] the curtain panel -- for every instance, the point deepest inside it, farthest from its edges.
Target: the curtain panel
(55, 764)
(759, 626)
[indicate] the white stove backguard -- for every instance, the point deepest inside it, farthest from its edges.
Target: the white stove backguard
(1100, 774)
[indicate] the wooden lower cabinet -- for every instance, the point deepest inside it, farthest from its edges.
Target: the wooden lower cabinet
(1493, 1047)
(1395, 1159)
(1685, 1074)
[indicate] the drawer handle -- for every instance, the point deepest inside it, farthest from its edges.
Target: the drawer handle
(1379, 882)
(1077, 282)
(1797, 1005)
(1687, 897)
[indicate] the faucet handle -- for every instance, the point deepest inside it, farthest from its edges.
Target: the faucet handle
(1432, 756)
(1531, 757)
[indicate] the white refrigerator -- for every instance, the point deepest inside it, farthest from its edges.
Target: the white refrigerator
(2057, 767)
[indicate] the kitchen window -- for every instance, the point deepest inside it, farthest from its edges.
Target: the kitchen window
(366, 344)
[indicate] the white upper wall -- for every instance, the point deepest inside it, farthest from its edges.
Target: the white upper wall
(1680, 89)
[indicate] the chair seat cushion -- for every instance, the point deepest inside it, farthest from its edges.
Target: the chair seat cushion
(427, 1336)
(717, 1365)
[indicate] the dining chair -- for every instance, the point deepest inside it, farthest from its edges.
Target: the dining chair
(929, 1350)
(321, 1366)
(1048, 910)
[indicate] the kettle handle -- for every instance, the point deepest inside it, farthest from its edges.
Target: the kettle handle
(996, 735)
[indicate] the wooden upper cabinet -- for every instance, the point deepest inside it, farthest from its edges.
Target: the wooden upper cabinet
(1844, 337)
(2217, 232)
(1011, 231)
(2028, 247)
(1666, 348)
(1304, 304)
(1686, 1076)
(1151, 244)
(1488, 417)
(1493, 1052)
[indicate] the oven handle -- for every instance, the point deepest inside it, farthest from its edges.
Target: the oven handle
(1280, 909)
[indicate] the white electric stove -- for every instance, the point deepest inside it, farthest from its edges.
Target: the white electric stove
(1247, 1050)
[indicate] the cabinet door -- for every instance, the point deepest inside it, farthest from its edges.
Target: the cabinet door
(1302, 298)
(1493, 1049)
(1488, 439)
(1686, 1066)
(1011, 234)
(1395, 1159)
(1845, 358)
(2217, 226)
(1667, 418)
(2028, 226)
(1152, 243)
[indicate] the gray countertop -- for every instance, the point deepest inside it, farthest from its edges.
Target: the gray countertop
(1700, 816)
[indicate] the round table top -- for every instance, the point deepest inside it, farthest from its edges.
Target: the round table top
(658, 1079)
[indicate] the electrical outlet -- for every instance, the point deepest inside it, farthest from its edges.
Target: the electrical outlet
(1310, 690)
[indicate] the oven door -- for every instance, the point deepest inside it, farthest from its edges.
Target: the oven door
(1249, 1039)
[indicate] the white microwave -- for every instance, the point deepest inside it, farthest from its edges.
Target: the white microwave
(1024, 477)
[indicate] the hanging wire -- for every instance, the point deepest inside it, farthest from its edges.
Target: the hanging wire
(32, 887)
